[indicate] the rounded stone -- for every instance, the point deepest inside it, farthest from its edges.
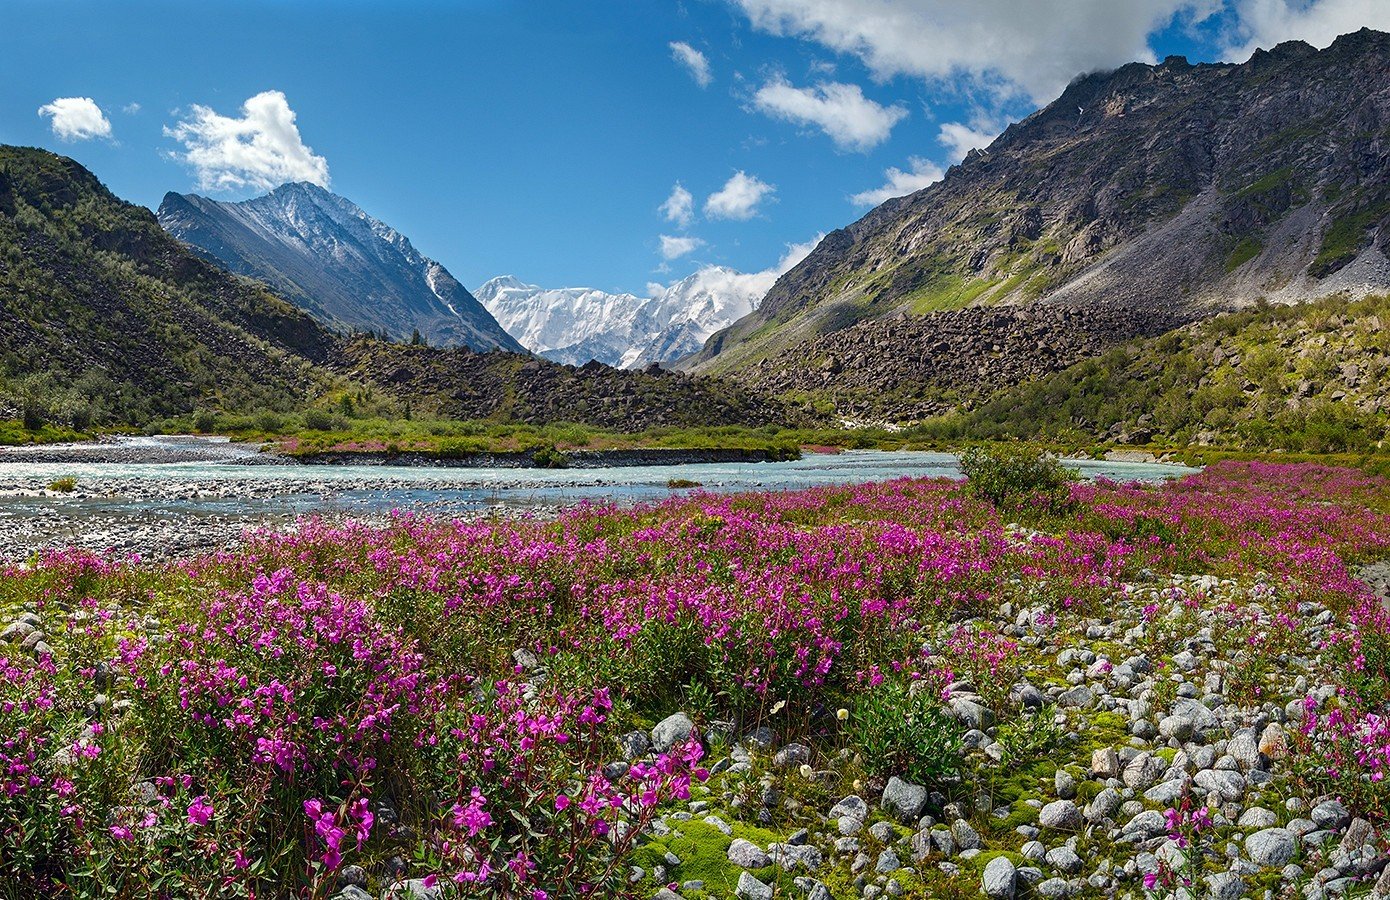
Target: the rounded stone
(1271, 847)
(1000, 879)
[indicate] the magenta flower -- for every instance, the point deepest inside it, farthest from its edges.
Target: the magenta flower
(199, 811)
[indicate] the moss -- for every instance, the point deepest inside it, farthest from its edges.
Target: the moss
(704, 854)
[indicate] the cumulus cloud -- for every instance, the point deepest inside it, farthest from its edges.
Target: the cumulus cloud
(739, 198)
(679, 207)
(1264, 23)
(853, 121)
(1009, 48)
(695, 62)
(921, 172)
(674, 247)
(76, 119)
(960, 138)
(724, 282)
(262, 149)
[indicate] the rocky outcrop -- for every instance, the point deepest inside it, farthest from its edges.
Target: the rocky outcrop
(910, 367)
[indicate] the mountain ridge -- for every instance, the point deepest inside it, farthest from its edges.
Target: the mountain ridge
(106, 317)
(574, 325)
(1180, 187)
(324, 253)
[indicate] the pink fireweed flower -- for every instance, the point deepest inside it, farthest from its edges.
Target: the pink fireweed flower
(472, 818)
(200, 811)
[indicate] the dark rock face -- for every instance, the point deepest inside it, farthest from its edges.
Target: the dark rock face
(458, 383)
(336, 262)
(1171, 190)
(911, 367)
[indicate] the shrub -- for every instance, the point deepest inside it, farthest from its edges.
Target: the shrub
(903, 732)
(67, 484)
(1016, 475)
(269, 422)
(549, 458)
(318, 420)
(1030, 737)
(205, 421)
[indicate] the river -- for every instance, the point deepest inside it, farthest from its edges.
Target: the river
(168, 495)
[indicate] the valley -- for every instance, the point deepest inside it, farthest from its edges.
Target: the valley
(1026, 538)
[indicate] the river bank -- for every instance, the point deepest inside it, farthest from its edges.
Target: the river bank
(177, 496)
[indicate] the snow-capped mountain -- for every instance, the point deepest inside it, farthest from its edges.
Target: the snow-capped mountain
(575, 325)
(569, 325)
(326, 255)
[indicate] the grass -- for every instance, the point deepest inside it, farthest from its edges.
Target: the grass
(1345, 237)
(947, 292)
(1246, 250)
(13, 433)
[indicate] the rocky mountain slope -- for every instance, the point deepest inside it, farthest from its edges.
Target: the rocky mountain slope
(1172, 189)
(348, 269)
(575, 325)
(458, 383)
(102, 312)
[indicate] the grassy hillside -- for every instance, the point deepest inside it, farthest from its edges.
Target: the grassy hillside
(103, 318)
(1308, 377)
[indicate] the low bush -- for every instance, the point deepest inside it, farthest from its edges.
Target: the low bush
(1016, 475)
(905, 732)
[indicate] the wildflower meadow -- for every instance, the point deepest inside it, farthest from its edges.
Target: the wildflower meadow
(904, 688)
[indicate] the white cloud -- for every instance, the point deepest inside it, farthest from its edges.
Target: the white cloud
(679, 207)
(796, 253)
(899, 184)
(1264, 23)
(674, 247)
(960, 138)
(1008, 48)
(131, 109)
(695, 62)
(76, 119)
(724, 282)
(262, 149)
(853, 121)
(739, 198)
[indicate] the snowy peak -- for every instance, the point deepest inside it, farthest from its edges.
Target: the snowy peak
(328, 256)
(574, 325)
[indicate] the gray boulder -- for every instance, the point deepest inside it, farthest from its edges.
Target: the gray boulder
(670, 731)
(1271, 847)
(750, 888)
(1062, 815)
(904, 800)
(1000, 879)
(748, 855)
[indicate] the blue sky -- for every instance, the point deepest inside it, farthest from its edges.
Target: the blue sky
(543, 137)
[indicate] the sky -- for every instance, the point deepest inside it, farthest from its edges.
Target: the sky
(617, 144)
